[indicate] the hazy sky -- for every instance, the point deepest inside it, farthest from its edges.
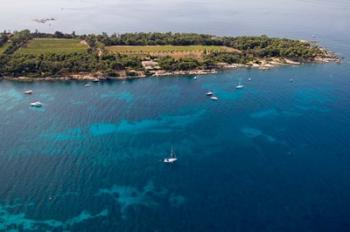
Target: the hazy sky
(216, 17)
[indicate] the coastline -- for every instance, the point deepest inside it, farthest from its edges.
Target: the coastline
(262, 64)
(42, 57)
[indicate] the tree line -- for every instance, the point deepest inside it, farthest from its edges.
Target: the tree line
(96, 59)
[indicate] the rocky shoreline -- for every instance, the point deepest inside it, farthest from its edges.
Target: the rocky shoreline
(262, 64)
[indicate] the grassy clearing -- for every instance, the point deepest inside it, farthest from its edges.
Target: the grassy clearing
(169, 50)
(53, 46)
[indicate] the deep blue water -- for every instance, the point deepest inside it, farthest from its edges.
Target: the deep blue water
(273, 156)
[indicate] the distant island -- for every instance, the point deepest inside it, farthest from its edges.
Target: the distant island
(26, 55)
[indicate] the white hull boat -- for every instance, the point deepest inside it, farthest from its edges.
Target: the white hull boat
(36, 104)
(171, 159)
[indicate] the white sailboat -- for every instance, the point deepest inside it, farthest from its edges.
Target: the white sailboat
(171, 159)
(239, 86)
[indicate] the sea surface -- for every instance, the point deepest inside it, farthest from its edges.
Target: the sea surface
(274, 156)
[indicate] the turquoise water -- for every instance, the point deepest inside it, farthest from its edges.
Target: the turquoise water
(273, 156)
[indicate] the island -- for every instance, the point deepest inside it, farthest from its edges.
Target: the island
(26, 55)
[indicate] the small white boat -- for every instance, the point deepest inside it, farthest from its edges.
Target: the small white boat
(239, 86)
(214, 98)
(87, 85)
(28, 91)
(96, 80)
(195, 78)
(249, 79)
(36, 104)
(171, 159)
(210, 93)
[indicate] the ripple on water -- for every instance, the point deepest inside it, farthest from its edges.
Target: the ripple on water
(313, 99)
(48, 97)
(10, 98)
(70, 134)
(124, 96)
(272, 113)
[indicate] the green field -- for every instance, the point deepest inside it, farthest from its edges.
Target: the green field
(53, 46)
(168, 50)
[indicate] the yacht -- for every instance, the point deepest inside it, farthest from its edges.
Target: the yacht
(239, 86)
(28, 91)
(36, 104)
(210, 93)
(171, 159)
(214, 98)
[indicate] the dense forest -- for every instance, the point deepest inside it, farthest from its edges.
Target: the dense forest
(97, 59)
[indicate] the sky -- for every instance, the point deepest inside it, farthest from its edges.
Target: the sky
(222, 17)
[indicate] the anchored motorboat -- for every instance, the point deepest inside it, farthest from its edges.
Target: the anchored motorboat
(210, 93)
(214, 98)
(36, 104)
(28, 91)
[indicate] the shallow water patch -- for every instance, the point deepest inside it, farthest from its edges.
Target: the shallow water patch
(267, 113)
(11, 219)
(254, 133)
(148, 196)
(164, 124)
